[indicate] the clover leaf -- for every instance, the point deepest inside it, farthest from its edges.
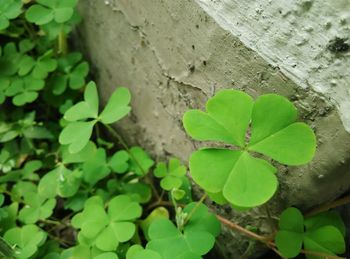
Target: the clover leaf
(24, 90)
(96, 168)
(119, 162)
(171, 175)
(107, 230)
(36, 208)
(26, 240)
(77, 133)
(323, 233)
(140, 162)
(235, 174)
(47, 10)
(197, 238)
(60, 181)
(71, 72)
(9, 9)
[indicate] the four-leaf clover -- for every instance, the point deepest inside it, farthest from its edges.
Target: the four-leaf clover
(244, 180)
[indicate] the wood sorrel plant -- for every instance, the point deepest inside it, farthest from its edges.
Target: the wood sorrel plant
(69, 192)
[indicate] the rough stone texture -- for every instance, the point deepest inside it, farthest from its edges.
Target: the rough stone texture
(174, 56)
(307, 39)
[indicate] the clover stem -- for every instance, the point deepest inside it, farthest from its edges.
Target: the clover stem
(126, 147)
(270, 219)
(62, 42)
(195, 208)
(328, 206)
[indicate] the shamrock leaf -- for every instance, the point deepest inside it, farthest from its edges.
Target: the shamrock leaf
(197, 238)
(9, 61)
(83, 155)
(170, 243)
(48, 10)
(60, 181)
(322, 233)
(96, 168)
(171, 176)
(24, 90)
(138, 191)
(119, 162)
(117, 106)
(9, 9)
(107, 230)
(290, 237)
(139, 162)
(157, 213)
(78, 133)
(26, 240)
(36, 208)
(236, 175)
(71, 71)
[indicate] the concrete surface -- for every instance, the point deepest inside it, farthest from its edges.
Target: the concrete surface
(174, 55)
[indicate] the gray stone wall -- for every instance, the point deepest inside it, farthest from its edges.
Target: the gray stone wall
(175, 54)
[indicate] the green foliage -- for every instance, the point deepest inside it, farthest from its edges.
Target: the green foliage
(47, 10)
(196, 238)
(26, 239)
(71, 188)
(9, 9)
(172, 175)
(77, 133)
(322, 233)
(237, 174)
(107, 230)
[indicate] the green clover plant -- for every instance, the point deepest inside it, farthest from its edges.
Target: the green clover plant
(107, 230)
(77, 133)
(9, 9)
(270, 125)
(322, 233)
(194, 240)
(47, 10)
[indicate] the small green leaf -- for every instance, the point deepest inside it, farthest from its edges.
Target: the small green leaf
(119, 162)
(170, 243)
(117, 106)
(26, 239)
(326, 239)
(85, 109)
(289, 238)
(77, 135)
(139, 162)
(157, 213)
(39, 14)
(172, 176)
(97, 168)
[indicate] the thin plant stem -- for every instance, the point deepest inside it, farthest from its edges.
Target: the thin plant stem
(62, 42)
(270, 219)
(195, 208)
(325, 207)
